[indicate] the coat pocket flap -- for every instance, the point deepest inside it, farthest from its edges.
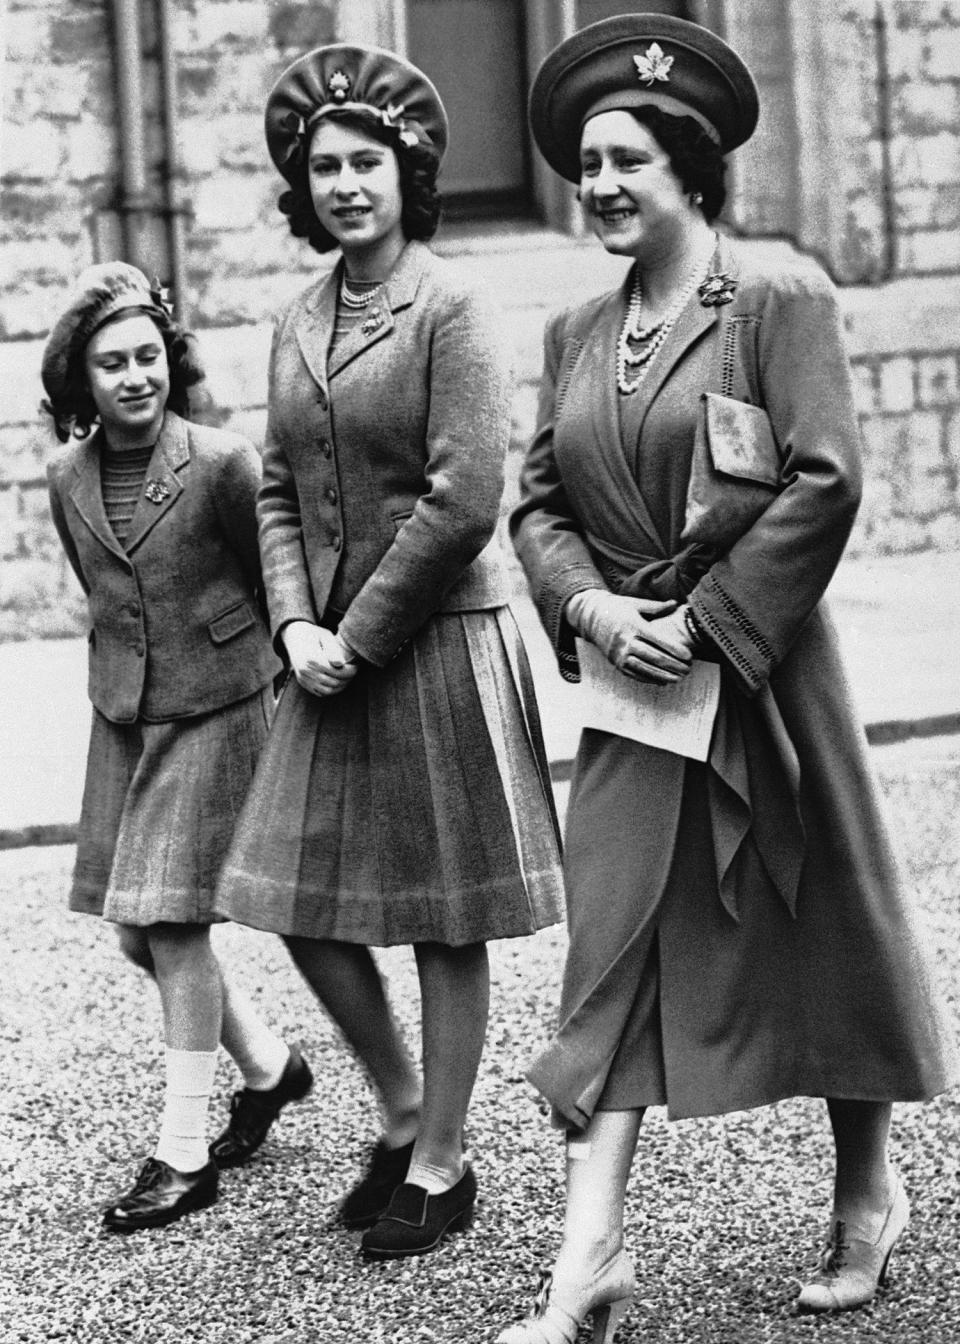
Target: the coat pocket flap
(231, 622)
(740, 439)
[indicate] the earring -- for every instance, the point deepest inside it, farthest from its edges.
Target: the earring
(695, 198)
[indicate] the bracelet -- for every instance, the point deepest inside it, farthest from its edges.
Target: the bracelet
(693, 626)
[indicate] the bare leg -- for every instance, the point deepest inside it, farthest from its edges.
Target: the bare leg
(260, 1055)
(598, 1168)
(455, 994)
(864, 1183)
(345, 979)
(188, 978)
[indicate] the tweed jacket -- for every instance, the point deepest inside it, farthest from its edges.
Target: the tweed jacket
(777, 344)
(383, 462)
(176, 626)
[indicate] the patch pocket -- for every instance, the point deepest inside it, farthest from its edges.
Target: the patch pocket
(231, 623)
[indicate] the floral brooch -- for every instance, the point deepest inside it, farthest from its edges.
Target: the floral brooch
(156, 491)
(716, 289)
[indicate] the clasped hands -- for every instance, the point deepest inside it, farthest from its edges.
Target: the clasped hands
(644, 639)
(321, 662)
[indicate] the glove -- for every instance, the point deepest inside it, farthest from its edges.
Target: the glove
(617, 626)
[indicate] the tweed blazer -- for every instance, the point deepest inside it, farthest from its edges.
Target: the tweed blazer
(383, 461)
(176, 626)
(777, 344)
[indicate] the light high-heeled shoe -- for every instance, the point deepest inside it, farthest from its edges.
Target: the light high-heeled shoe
(851, 1269)
(560, 1309)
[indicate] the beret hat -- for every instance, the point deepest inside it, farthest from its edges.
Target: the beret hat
(637, 60)
(103, 292)
(351, 78)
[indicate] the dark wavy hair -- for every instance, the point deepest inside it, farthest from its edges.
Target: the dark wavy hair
(695, 159)
(418, 164)
(74, 410)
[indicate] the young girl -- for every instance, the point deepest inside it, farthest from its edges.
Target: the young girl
(156, 516)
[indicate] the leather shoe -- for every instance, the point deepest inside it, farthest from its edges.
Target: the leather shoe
(252, 1113)
(416, 1222)
(853, 1268)
(368, 1199)
(161, 1195)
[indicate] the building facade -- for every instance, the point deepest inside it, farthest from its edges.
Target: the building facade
(134, 128)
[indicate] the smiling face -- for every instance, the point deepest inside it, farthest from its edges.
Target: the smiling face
(129, 379)
(355, 188)
(635, 203)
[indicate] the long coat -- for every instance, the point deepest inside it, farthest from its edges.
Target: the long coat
(176, 626)
(345, 520)
(738, 932)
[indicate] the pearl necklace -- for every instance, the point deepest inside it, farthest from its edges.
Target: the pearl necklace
(352, 298)
(653, 337)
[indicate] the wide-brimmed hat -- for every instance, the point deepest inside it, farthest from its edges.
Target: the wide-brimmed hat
(638, 60)
(351, 78)
(103, 292)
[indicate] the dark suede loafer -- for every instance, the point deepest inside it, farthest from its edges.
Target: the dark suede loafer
(416, 1222)
(252, 1113)
(369, 1198)
(161, 1195)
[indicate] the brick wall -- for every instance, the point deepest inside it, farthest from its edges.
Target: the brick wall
(60, 153)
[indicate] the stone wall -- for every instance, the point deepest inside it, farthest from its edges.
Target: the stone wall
(888, 201)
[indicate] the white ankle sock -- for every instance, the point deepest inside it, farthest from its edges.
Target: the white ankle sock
(432, 1179)
(182, 1143)
(259, 1054)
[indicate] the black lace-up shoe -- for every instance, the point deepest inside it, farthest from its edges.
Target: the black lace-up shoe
(252, 1113)
(161, 1195)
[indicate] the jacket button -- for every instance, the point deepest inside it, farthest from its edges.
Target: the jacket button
(331, 494)
(138, 650)
(326, 447)
(134, 608)
(335, 542)
(322, 398)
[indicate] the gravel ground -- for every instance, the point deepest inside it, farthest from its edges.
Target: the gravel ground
(723, 1216)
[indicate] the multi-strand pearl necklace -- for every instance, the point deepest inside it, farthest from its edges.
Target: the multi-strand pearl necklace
(652, 338)
(357, 299)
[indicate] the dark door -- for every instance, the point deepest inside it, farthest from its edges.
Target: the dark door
(473, 50)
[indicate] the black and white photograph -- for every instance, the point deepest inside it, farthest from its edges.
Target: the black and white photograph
(480, 672)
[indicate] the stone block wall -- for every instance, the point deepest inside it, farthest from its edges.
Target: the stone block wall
(893, 208)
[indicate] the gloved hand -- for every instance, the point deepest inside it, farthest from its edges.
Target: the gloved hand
(619, 627)
(321, 662)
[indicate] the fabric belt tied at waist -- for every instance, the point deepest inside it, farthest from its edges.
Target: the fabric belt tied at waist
(664, 578)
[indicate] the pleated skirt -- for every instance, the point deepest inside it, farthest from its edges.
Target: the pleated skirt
(414, 806)
(160, 804)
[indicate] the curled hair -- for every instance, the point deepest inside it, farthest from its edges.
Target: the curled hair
(418, 165)
(694, 158)
(74, 410)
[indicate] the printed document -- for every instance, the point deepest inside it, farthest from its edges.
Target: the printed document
(677, 718)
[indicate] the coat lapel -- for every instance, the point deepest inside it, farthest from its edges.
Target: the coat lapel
(398, 292)
(692, 324)
(314, 326)
(87, 494)
(163, 486)
(597, 369)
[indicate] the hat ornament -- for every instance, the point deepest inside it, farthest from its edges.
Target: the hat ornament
(161, 297)
(392, 115)
(338, 86)
(653, 65)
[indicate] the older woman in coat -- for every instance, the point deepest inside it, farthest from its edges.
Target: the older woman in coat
(738, 933)
(403, 796)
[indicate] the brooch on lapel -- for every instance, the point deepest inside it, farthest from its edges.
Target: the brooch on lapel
(156, 491)
(372, 323)
(716, 289)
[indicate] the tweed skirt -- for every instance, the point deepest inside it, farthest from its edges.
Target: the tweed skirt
(413, 806)
(160, 803)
